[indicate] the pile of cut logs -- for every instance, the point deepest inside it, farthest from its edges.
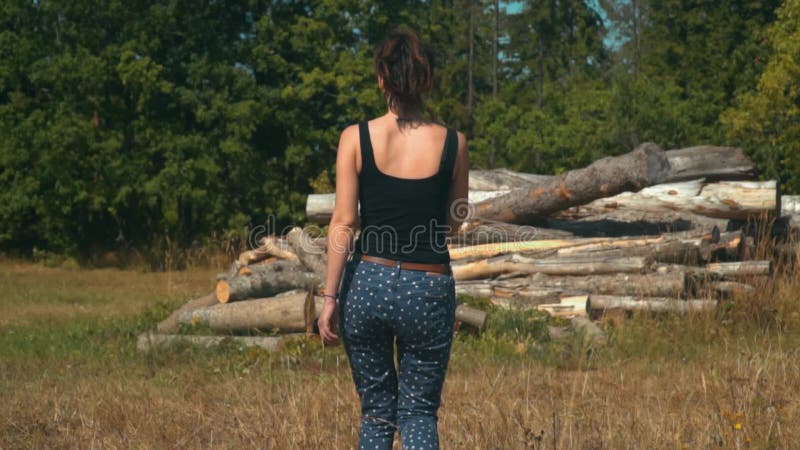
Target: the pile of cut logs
(654, 230)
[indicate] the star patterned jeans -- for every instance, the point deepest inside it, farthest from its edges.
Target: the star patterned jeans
(381, 307)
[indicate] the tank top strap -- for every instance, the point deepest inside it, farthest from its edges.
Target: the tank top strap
(448, 161)
(367, 156)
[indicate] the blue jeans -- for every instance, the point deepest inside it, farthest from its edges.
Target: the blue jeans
(380, 306)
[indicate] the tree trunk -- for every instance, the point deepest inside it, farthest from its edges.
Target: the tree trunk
(642, 167)
(288, 312)
(473, 317)
(599, 303)
(737, 269)
(265, 281)
(149, 341)
(556, 266)
(307, 252)
(567, 307)
(476, 232)
(709, 162)
(722, 200)
(171, 323)
(270, 246)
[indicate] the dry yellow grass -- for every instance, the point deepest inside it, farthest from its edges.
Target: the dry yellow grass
(71, 378)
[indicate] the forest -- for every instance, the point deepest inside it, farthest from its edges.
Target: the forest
(139, 125)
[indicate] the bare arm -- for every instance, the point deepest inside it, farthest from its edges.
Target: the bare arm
(341, 228)
(458, 209)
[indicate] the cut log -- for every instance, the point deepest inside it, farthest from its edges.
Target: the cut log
(477, 232)
(503, 179)
(567, 307)
(710, 162)
(171, 322)
(599, 303)
(556, 266)
(736, 269)
(149, 341)
(645, 166)
(282, 313)
(592, 333)
(492, 249)
(630, 222)
(308, 252)
(543, 288)
(790, 207)
(687, 247)
(576, 245)
(270, 246)
(738, 200)
(473, 317)
(266, 281)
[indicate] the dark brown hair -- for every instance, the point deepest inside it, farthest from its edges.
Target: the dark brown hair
(405, 64)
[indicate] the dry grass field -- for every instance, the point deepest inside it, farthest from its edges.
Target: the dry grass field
(70, 377)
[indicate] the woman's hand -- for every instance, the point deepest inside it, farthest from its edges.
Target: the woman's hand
(328, 322)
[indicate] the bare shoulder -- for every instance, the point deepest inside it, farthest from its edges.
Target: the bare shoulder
(349, 135)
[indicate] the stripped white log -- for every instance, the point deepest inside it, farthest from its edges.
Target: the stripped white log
(599, 303)
(723, 200)
(790, 207)
(567, 307)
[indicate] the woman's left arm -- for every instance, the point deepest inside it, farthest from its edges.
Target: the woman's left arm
(457, 206)
(341, 229)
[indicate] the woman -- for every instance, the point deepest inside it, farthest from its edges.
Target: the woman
(396, 289)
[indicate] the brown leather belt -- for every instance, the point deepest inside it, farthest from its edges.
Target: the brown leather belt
(437, 268)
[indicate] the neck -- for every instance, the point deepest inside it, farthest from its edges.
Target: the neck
(411, 114)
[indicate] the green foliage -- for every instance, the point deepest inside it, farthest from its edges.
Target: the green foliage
(128, 125)
(767, 120)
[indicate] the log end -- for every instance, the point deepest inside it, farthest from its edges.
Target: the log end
(223, 291)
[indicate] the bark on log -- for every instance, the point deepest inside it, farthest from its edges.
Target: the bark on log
(630, 222)
(738, 200)
(642, 167)
(600, 303)
(149, 341)
(171, 322)
(265, 281)
(557, 266)
(307, 252)
(232, 271)
(288, 312)
(473, 317)
(710, 162)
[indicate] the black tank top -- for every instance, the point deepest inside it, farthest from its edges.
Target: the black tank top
(401, 218)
